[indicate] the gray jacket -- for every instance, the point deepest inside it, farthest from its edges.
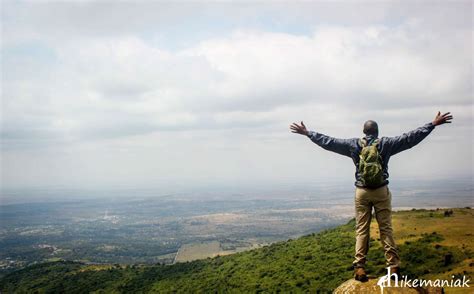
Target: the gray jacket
(387, 146)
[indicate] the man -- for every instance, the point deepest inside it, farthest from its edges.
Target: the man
(370, 156)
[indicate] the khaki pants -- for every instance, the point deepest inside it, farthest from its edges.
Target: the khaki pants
(380, 199)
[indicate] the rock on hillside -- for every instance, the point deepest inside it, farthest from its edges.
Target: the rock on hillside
(353, 286)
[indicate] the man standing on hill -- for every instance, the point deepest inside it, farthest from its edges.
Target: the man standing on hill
(370, 156)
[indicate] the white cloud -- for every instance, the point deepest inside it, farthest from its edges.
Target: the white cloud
(100, 81)
(115, 83)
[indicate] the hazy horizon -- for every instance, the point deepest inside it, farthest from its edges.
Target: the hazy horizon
(457, 192)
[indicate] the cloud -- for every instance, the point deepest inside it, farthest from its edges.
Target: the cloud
(102, 86)
(95, 74)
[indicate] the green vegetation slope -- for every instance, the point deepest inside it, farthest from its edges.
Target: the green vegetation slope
(313, 262)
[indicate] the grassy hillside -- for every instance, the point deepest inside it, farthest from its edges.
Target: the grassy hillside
(431, 245)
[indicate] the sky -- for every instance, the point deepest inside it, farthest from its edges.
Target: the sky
(149, 94)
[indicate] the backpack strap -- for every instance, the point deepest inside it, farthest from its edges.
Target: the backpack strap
(363, 142)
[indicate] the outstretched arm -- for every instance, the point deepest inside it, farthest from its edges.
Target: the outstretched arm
(341, 146)
(408, 140)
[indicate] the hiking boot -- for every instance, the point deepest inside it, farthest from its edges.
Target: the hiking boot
(396, 271)
(360, 275)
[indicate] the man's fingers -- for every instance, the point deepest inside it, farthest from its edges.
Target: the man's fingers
(446, 113)
(297, 128)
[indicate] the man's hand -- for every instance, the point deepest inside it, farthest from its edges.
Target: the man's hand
(442, 119)
(295, 128)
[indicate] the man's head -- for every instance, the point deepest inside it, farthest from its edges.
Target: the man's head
(371, 128)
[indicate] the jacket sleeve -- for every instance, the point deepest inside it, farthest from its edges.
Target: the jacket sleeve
(340, 146)
(408, 140)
